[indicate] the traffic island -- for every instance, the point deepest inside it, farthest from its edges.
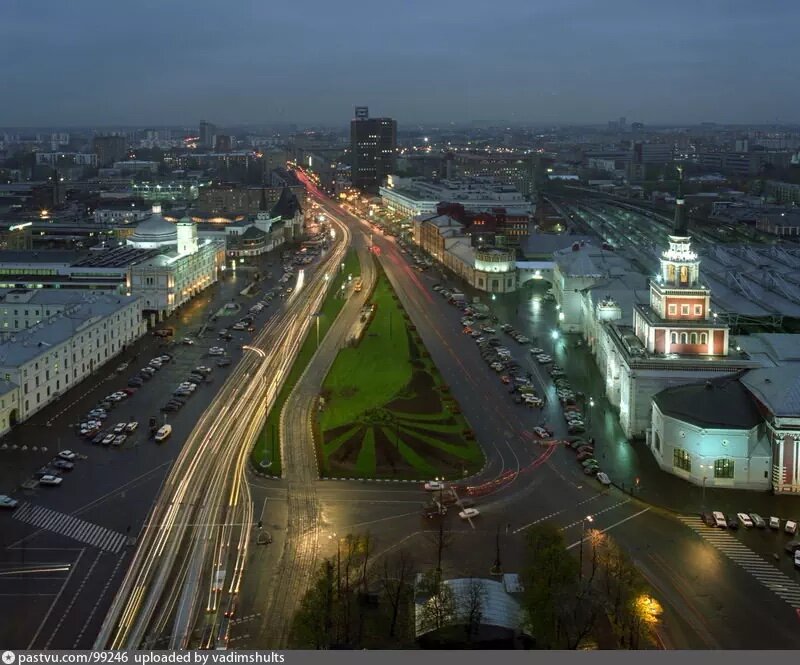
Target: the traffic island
(385, 411)
(265, 457)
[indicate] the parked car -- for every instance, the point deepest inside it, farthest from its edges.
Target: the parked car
(708, 519)
(790, 527)
(67, 455)
(603, 478)
(744, 520)
(131, 426)
(758, 521)
(719, 520)
(50, 481)
(774, 523)
(541, 432)
(7, 502)
(62, 464)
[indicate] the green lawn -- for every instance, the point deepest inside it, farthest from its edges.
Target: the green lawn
(387, 412)
(367, 376)
(268, 440)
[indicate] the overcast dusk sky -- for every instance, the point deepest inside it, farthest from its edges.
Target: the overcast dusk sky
(164, 62)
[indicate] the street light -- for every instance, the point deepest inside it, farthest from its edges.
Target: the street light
(589, 519)
(705, 477)
(591, 406)
(554, 334)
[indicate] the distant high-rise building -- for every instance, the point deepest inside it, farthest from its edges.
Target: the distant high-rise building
(622, 121)
(373, 148)
(109, 149)
(207, 133)
(222, 143)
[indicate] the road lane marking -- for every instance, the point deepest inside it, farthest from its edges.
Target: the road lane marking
(55, 600)
(608, 528)
(71, 527)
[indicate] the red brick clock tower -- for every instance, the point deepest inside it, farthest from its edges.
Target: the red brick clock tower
(678, 319)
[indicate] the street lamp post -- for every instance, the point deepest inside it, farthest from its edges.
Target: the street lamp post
(589, 519)
(589, 414)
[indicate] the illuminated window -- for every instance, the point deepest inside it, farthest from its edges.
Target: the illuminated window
(723, 468)
(681, 459)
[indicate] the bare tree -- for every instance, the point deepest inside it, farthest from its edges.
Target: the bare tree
(397, 572)
(439, 607)
(473, 606)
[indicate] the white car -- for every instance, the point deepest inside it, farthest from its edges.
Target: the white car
(797, 558)
(131, 426)
(719, 519)
(469, 513)
(603, 478)
(522, 339)
(50, 480)
(216, 351)
(744, 520)
(119, 428)
(67, 455)
(7, 501)
(541, 432)
(774, 523)
(188, 341)
(434, 486)
(536, 351)
(790, 527)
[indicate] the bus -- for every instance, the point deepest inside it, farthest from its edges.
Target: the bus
(357, 285)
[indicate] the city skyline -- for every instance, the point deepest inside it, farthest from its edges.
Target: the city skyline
(573, 62)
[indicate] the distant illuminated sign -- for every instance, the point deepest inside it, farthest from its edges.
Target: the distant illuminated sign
(17, 227)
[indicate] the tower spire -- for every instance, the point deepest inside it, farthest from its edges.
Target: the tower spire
(679, 227)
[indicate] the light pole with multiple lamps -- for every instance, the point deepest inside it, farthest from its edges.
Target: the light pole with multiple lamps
(704, 467)
(589, 519)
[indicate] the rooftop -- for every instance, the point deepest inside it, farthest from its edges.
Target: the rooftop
(777, 388)
(722, 403)
(22, 347)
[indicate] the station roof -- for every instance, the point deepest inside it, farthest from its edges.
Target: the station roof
(723, 403)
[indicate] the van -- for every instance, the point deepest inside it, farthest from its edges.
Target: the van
(163, 433)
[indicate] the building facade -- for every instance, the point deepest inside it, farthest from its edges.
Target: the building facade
(54, 355)
(373, 149)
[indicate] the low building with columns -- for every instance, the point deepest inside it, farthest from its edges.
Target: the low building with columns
(179, 266)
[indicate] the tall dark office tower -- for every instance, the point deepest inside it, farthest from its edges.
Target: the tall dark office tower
(373, 147)
(207, 133)
(109, 149)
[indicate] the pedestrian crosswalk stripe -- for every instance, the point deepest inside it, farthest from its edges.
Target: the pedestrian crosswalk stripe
(768, 575)
(71, 527)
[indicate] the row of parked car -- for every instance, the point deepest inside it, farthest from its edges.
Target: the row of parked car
(149, 371)
(187, 388)
(50, 475)
(718, 519)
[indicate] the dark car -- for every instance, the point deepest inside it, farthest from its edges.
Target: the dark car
(792, 546)
(169, 407)
(708, 519)
(223, 362)
(733, 523)
(62, 464)
(98, 439)
(46, 471)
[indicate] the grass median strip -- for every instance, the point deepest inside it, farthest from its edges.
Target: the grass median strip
(387, 412)
(265, 456)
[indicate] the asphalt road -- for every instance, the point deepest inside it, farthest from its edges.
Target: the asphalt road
(708, 586)
(58, 575)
